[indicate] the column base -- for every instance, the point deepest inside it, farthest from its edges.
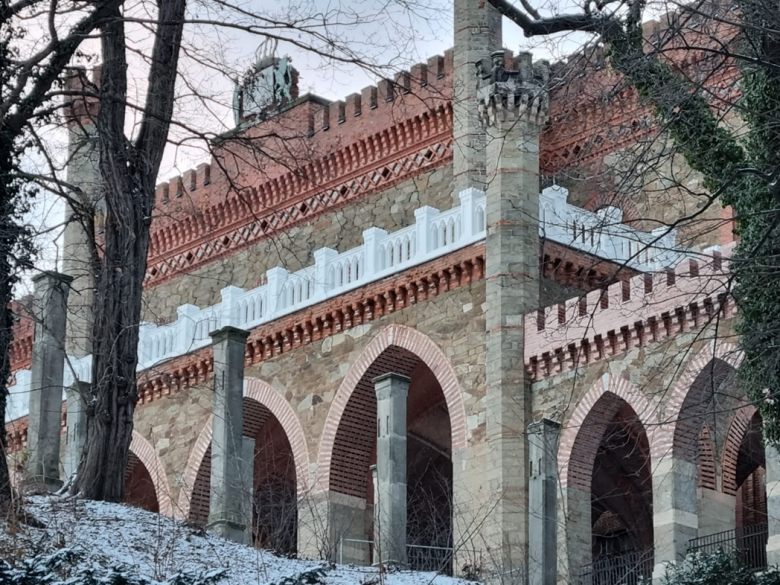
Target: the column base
(773, 550)
(39, 484)
(230, 530)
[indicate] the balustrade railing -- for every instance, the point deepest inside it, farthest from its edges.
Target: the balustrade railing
(382, 254)
(748, 544)
(628, 568)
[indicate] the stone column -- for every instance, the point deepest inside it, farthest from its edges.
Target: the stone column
(83, 172)
(542, 502)
(50, 301)
(390, 487)
(76, 434)
(513, 107)
(248, 485)
(477, 29)
(717, 511)
(227, 516)
(773, 504)
(675, 511)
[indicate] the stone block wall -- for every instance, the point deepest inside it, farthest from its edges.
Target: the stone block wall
(341, 230)
(309, 377)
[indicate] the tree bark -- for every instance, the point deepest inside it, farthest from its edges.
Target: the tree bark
(128, 172)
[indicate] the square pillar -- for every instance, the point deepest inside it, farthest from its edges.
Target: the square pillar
(675, 511)
(50, 301)
(717, 511)
(76, 434)
(227, 516)
(390, 479)
(248, 485)
(477, 30)
(513, 112)
(542, 502)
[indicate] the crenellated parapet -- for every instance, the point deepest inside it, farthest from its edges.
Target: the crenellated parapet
(648, 308)
(389, 99)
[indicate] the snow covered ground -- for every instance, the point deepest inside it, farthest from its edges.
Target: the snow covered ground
(158, 547)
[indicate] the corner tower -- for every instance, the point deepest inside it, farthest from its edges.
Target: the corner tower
(477, 29)
(80, 214)
(513, 107)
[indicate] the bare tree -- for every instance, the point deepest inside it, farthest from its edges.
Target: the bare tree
(738, 170)
(31, 70)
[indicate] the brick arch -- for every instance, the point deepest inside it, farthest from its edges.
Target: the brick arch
(585, 429)
(268, 397)
(678, 436)
(705, 464)
(197, 454)
(421, 346)
(737, 430)
(146, 454)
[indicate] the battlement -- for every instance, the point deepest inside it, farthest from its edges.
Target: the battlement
(424, 81)
(334, 139)
(648, 308)
(81, 105)
(189, 181)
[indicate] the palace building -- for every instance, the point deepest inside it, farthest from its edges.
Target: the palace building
(439, 324)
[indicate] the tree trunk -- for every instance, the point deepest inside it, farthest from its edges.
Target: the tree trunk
(6, 336)
(115, 347)
(128, 170)
(11, 236)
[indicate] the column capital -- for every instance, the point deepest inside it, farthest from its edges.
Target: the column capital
(50, 277)
(229, 333)
(543, 426)
(511, 96)
(388, 385)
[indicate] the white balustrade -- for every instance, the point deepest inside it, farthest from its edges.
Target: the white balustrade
(398, 249)
(382, 254)
(346, 270)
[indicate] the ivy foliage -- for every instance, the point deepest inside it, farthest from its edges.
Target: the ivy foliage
(742, 171)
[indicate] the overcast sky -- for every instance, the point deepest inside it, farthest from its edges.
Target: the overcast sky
(390, 34)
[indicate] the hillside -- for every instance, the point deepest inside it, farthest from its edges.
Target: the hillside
(157, 547)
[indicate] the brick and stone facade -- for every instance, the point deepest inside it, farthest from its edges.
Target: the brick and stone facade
(571, 393)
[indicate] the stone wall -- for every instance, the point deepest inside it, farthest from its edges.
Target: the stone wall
(309, 377)
(391, 210)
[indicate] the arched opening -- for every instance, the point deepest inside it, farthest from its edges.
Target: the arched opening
(697, 425)
(607, 478)
(621, 489)
(275, 504)
(429, 465)
(139, 487)
(274, 501)
(751, 477)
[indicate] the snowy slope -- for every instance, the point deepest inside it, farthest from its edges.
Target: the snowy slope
(157, 547)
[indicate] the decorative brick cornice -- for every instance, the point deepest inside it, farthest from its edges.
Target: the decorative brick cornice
(415, 145)
(461, 268)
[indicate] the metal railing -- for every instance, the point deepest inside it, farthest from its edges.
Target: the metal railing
(747, 543)
(627, 568)
(436, 559)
